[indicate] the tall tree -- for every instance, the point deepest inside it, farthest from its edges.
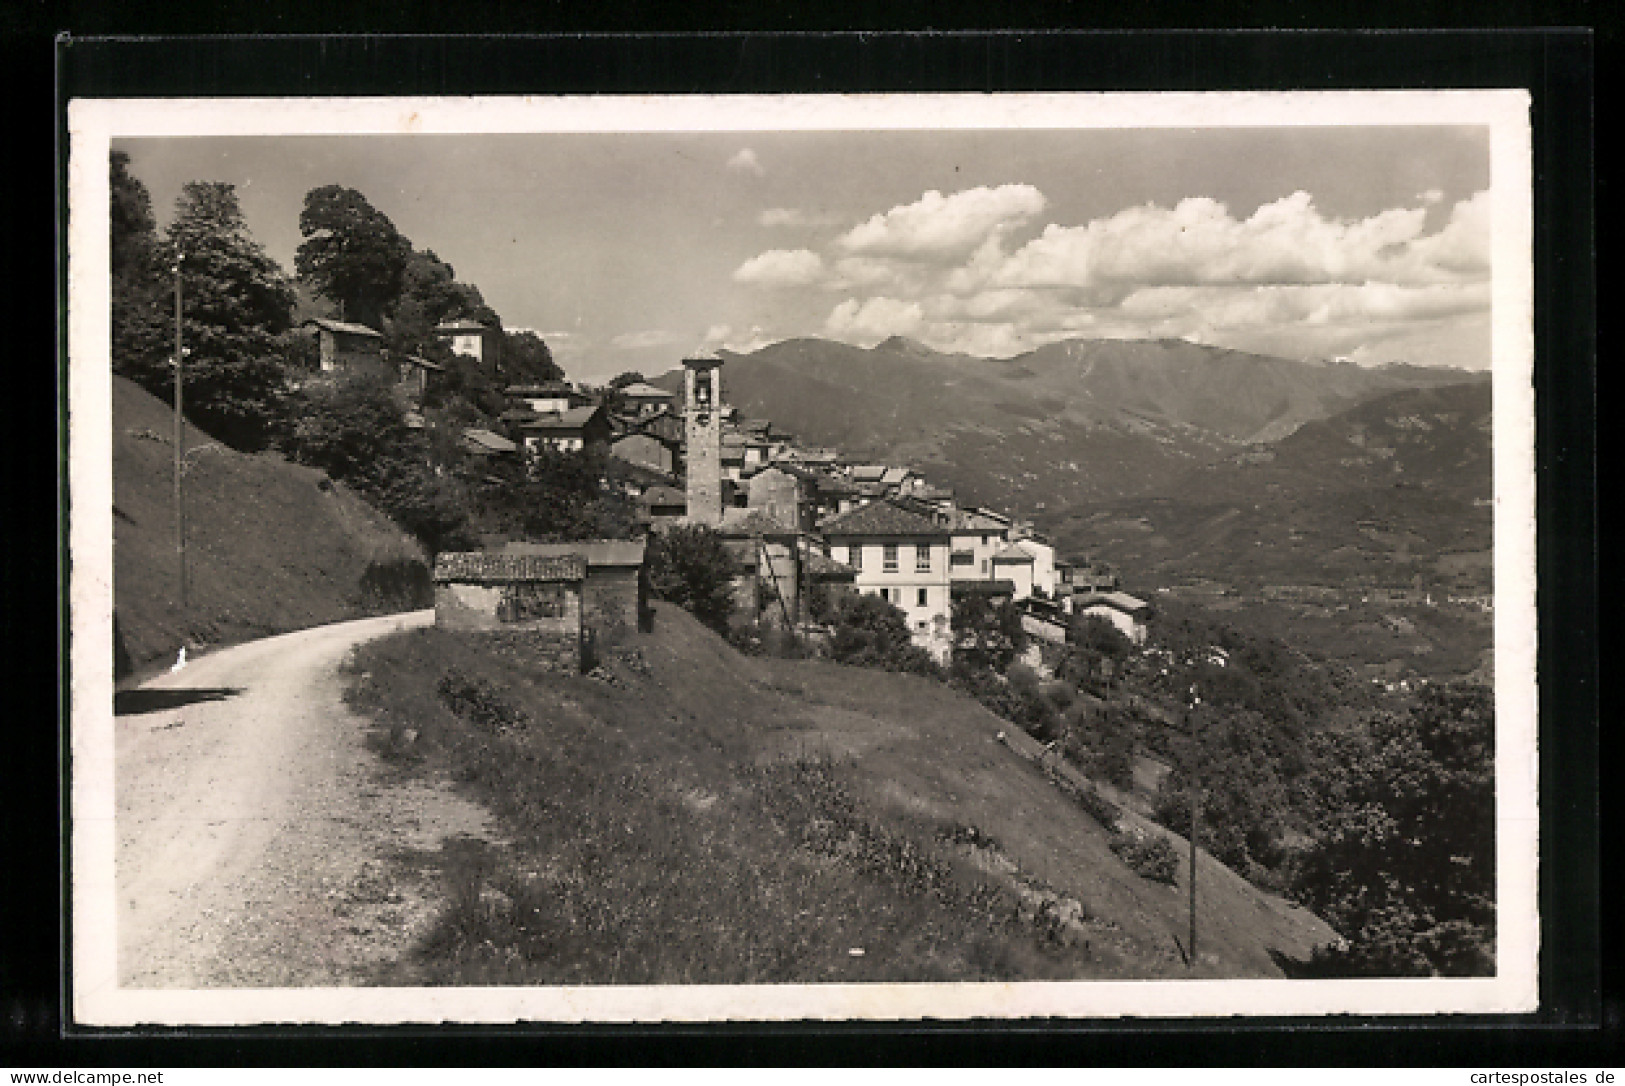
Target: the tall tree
(352, 253)
(138, 321)
(1403, 863)
(236, 303)
(526, 358)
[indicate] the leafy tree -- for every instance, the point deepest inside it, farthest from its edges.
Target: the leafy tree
(987, 634)
(141, 333)
(355, 429)
(526, 359)
(352, 254)
(689, 566)
(870, 632)
(1403, 861)
(236, 302)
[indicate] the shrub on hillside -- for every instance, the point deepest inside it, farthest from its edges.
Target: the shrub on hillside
(480, 702)
(1152, 858)
(689, 566)
(870, 632)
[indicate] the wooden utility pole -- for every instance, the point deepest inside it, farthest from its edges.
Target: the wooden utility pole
(1196, 807)
(180, 442)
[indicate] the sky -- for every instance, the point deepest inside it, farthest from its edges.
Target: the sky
(626, 251)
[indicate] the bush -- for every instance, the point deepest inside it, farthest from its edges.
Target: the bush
(870, 632)
(396, 584)
(1154, 858)
(689, 566)
(480, 702)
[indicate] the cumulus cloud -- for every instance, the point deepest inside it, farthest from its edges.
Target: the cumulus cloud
(937, 226)
(640, 340)
(781, 268)
(795, 216)
(742, 341)
(745, 159)
(871, 321)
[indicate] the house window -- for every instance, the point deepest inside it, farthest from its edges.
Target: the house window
(889, 558)
(923, 599)
(962, 558)
(922, 558)
(984, 540)
(855, 556)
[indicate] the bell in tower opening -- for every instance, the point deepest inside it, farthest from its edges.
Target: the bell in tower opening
(703, 426)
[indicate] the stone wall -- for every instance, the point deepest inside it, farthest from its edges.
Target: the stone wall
(614, 602)
(539, 621)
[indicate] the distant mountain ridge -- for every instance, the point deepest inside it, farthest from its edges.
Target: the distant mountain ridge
(1071, 422)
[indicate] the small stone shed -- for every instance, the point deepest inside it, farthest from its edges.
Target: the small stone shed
(532, 602)
(615, 593)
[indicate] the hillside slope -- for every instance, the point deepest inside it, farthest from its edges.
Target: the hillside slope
(1393, 491)
(271, 546)
(767, 815)
(1074, 421)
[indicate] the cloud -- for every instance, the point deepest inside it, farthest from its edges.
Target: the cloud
(795, 216)
(1431, 196)
(742, 342)
(937, 226)
(745, 159)
(781, 268)
(633, 341)
(873, 320)
(1198, 242)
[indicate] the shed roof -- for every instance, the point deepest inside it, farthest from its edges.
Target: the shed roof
(894, 476)
(641, 391)
(974, 520)
(881, 518)
(869, 473)
(1013, 553)
(485, 566)
(327, 325)
(595, 552)
(664, 495)
(489, 441)
(1120, 601)
(573, 419)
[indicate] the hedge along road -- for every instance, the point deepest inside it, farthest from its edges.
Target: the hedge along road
(259, 841)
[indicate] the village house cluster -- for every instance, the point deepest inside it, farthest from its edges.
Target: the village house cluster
(793, 515)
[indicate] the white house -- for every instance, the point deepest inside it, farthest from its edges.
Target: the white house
(977, 537)
(469, 338)
(902, 557)
(1043, 563)
(1016, 566)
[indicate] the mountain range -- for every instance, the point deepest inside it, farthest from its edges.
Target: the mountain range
(1071, 424)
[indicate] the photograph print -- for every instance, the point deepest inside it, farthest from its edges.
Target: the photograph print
(770, 558)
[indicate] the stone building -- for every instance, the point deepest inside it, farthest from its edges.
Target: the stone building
(615, 589)
(524, 601)
(702, 417)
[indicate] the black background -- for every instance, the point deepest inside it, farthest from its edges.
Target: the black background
(789, 49)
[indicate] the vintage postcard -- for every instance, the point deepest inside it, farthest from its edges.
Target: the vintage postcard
(812, 557)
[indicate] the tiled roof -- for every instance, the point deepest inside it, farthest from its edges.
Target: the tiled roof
(639, 390)
(1013, 553)
(869, 473)
(595, 552)
(738, 522)
(1120, 601)
(487, 567)
(573, 419)
(347, 328)
(970, 520)
(881, 518)
(489, 441)
(895, 476)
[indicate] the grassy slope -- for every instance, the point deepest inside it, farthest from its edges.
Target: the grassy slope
(712, 817)
(268, 550)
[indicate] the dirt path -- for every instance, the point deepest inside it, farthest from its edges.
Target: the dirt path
(258, 838)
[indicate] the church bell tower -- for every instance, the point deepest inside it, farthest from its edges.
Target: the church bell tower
(702, 416)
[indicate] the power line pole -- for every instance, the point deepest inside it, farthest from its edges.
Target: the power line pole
(1196, 807)
(180, 441)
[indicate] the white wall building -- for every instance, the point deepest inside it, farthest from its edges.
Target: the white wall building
(902, 557)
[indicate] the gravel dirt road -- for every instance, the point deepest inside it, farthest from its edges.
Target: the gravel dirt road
(259, 841)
